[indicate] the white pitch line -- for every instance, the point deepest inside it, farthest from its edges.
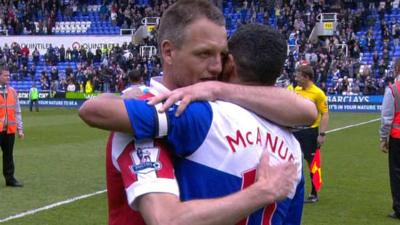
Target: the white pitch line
(33, 211)
(354, 125)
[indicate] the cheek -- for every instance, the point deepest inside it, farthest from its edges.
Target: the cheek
(200, 72)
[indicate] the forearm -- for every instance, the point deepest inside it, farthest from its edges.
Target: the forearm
(166, 209)
(226, 210)
(276, 104)
(323, 126)
(387, 114)
(107, 112)
(18, 117)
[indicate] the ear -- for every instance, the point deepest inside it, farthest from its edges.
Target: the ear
(167, 51)
(229, 69)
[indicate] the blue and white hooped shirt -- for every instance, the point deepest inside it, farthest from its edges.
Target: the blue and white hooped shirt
(218, 147)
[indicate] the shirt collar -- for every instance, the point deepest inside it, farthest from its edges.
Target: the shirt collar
(157, 87)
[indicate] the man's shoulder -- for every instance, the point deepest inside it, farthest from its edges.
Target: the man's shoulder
(11, 88)
(298, 88)
(317, 91)
(140, 92)
(197, 108)
(225, 106)
(230, 112)
(146, 96)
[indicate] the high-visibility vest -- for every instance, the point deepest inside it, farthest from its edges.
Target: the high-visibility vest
(395, 130)
(8, 108)
(34, 94)
(88, 87)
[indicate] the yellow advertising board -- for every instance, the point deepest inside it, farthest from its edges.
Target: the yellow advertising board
(328, 25)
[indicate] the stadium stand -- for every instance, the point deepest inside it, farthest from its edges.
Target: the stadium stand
(357, 59)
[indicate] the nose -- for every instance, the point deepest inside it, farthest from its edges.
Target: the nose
(215, 65)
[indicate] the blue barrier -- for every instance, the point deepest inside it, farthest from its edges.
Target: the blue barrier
(355, 103)
(54, 102)
(336, 103)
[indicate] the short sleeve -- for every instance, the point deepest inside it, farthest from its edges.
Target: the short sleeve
(322, 102)
(184, 133)
(146, 167)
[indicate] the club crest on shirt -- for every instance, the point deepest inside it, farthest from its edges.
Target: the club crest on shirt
(145, 160)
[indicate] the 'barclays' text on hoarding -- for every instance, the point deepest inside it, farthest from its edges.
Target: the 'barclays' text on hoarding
(355, 98)
(355, 103)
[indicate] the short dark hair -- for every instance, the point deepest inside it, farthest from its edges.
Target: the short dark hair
(306, 70)
(259, 53)
(181, 14)
(134, 76)
(4, 67)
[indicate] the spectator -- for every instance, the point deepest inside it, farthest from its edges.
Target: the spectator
(35, 56)
(69, 71)
(370, 42)
(74, 54)
(381, 68)
(386, 57)
(71, 86)
(61, 52)
(82, 54)
(32, 72)
(63, 85)
(103, 12)
(54, 81)
(375, 60)
(371, 87)
(107, 79)
(97, 57)
(24, 55)
(396, 34)
(68, 54)
(44, 81)
(23, 72)
(90, 57)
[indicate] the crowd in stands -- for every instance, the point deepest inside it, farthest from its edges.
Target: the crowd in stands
(19, 17)
(128, 14)
(102, 70)
(339, 61)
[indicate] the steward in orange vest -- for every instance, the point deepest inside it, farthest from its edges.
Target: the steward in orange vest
(390, 137)
(395, 130)
(8, 106)
(10, 123)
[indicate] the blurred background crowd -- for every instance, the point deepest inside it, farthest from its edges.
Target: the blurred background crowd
(356, 60)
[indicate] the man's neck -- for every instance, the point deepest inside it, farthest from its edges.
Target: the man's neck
(167, 81)
(158, 83)
(308, 84)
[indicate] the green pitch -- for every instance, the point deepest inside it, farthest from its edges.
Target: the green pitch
(61, 158)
